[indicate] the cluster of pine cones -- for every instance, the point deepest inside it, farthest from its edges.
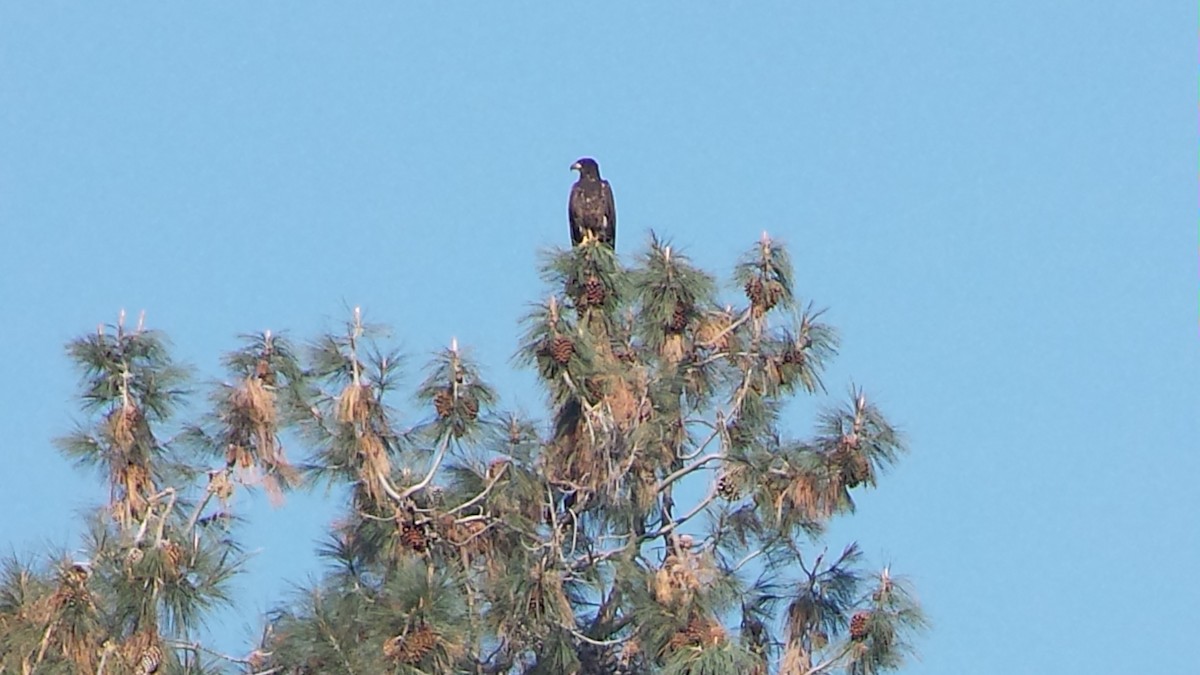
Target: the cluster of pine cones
(443, 403)
(854, 467)
(727, 486)
(763, 296)
(698, 632)
(414, 537)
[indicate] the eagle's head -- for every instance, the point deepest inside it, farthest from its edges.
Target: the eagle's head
(587, 167)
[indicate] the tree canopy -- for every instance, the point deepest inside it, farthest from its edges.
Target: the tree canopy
(661, 517)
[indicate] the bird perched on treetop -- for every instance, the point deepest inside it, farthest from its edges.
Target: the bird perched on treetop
(591, 209)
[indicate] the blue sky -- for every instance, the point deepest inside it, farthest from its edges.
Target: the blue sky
(997, 202)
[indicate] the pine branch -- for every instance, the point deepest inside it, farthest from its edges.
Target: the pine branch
(716, 339)
(598, 643)
(473, 536)
(162, 523)
(695, 466)
(591, 409)
(437, 462)
(742, 563)
(197, 647)
(829, 662)
(716, 433)
(195, 517)
(671, 526)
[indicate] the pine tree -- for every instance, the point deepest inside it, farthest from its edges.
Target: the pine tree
(153, 567)
(660, 519)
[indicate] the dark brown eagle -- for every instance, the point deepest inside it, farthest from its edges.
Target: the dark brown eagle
(591, 209)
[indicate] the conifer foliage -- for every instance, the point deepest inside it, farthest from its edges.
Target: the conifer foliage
(661, 518)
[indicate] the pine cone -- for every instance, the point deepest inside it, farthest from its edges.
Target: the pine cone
(793, 356)
(262, 371)
(679, 318)
(443, 403)
(420, 642)
(859, 471)
(470, 407)
(858, 626)
(411, 648)
(854, 468)
(681, 639)
(763, 296)
(727, 487)
(562, 349)
(754, 291)
(738, 437)
(149, 660)
(698, 632)
(772, 294)
(594, 292)
(172, 555)
(413, 537)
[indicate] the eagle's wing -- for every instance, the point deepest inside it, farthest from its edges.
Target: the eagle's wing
(610, 214)
(573, 214)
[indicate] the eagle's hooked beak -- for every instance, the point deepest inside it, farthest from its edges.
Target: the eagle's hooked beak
(576, 167)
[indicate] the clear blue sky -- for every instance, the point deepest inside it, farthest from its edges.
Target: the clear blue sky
(996, 200)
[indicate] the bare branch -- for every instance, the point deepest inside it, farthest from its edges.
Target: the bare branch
(732, 327)
(488, 488)
(662, 485)
(200, 506)
(197, 647)
(437, 463)
(162, 523)
(716, 432)
(828, 663)
(671, 526)
(598, 643)
(742, 563)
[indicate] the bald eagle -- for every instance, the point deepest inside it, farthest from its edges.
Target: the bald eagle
(591, 209)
